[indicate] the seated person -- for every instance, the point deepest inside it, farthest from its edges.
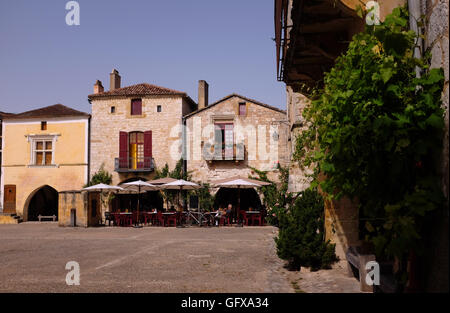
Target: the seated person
(172, 209)
(229, 211)
(221, 212)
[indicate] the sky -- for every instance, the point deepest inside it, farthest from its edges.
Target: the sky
(170, 43)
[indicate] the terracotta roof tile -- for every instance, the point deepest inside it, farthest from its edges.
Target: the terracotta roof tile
(238, 96)
(138, 90)
(57, 110)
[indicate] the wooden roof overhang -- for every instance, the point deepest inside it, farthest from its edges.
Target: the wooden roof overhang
(309, 36)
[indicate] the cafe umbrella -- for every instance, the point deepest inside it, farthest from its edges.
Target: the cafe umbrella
(239, 183)
(103, 188)
(139, 186)
(180, 185)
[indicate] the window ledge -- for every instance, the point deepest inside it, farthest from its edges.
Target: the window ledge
(43, 166)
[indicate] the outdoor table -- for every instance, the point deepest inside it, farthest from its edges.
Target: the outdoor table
(127, 218)
(254, 215)
(166, 215)
(149, 215)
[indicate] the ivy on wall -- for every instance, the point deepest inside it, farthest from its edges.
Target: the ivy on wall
(375, 133)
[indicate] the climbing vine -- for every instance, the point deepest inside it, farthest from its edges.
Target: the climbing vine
(375, 133)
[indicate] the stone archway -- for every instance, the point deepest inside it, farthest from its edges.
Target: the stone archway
(249, 198)
(42, 201)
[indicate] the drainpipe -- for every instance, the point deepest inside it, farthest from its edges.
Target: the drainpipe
(414, 9)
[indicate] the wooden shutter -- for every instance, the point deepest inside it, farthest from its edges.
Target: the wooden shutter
(148, 149)
(123, 149)
(136, 107)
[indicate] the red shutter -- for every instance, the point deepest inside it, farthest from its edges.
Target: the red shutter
(123, 149)
(136, 107)
(148, 149)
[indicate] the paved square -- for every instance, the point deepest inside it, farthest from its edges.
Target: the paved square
(33, 257)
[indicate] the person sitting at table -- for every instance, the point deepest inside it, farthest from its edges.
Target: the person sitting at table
(220, 213)
(172, 209)
(229, 211)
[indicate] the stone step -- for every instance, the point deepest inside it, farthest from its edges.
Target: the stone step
(10, 218)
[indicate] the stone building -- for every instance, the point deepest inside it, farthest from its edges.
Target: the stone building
(136, 129)
(309, 36)
(2, 115)
(44, 151)
(233, 135)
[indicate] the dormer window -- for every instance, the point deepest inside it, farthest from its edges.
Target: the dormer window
(136, 107)
(242, 109)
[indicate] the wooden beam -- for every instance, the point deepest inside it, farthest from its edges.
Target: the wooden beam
(332, 26)
(312, 60)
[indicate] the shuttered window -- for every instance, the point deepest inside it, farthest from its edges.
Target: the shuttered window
(136, 107)
(135, 149)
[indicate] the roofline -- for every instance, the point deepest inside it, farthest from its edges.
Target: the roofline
(235, 95)
(46, 118)
(106, 96)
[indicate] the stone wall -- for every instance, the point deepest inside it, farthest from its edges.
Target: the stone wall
(435, 264)
(437, 42)
(165, 127)
(69, 200)
(299, 179)
(257, 116)
(84, 204)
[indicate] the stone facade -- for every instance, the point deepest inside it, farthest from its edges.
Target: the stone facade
(436, 259)
(86, 206)
(256, 123)
(165, 127)
(299, 179)
(436, 40)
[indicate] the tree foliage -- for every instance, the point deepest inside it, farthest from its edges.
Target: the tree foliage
(301, 238)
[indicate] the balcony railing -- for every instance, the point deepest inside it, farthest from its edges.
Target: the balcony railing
(127, 165)
(235, 152)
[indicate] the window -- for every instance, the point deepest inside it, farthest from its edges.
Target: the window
(136, 149)
(242, 109)
(43, 125)
(43, 152)
(223, 140)
(113, 109)
(136, 107)
(158, 108)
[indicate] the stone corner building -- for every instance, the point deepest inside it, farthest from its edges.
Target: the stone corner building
(234, 134)
(133, 128)
(309, 36)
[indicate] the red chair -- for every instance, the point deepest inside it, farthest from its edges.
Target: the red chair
(225, 220)
(117, 220)
(172, 219)
(158, 219)
(256, 218)
(245, 219)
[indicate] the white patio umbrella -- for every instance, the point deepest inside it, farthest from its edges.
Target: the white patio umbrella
(180, 185)
(103, 187)
(139, 186)
(239, 183)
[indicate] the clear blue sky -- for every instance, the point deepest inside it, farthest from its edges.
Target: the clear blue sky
(171, 43)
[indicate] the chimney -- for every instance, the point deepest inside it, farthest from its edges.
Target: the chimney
(114, 80)
(202, 94)
(98, 87)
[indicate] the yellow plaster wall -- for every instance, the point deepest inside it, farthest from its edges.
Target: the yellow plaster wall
(69, 156)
